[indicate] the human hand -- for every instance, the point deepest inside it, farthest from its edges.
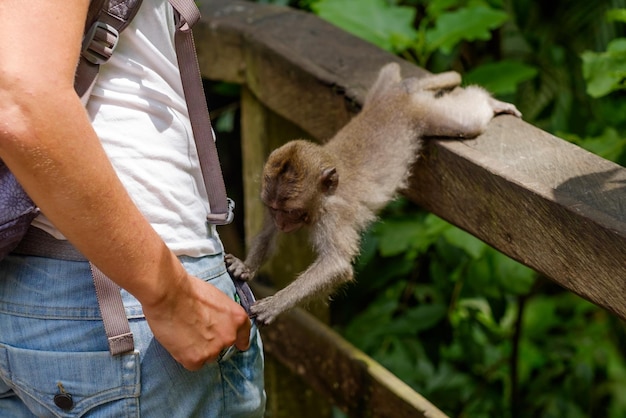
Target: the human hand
(196, 321)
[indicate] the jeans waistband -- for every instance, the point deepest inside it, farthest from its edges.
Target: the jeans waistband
(39, 243)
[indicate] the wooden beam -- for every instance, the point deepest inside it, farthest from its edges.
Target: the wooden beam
(291, 60)
(334, 367)
(535, 197)
(540, 200)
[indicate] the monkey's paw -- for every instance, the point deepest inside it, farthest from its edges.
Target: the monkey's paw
(500, 108)
(266, 310)
(237, 268)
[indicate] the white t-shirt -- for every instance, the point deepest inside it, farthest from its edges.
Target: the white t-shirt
(138, 110)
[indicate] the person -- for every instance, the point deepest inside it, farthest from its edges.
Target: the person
(120, 180)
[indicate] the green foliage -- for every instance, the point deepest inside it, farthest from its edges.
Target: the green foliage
(605, 72)
(501, 77)
(465, 24)
(443, 26)
(390, 27)
(474, 331)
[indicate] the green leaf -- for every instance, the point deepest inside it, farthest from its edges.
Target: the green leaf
(534, 358)
(616, 15)
(514, 277)
(481, 280)
(501, 77)
(383, 24)
(468, 24)
(418, 319)
(225, 122)
(365, 330)
(435, 226)
(369, 247)
(437, 7)
(469, 243)
(397, 236)
(540, 317)
(605, 72)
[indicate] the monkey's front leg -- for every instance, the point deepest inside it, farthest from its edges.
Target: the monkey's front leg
(320, 278)
(435, 82)
(262, 246)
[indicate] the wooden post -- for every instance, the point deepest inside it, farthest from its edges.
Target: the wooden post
(261, 131)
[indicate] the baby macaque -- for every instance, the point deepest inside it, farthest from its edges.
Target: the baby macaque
(337, 188)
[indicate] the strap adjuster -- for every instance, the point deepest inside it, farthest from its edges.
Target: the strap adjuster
(99, 43)
(223, 218)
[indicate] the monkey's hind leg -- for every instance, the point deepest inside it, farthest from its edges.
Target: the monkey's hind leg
(462, 113)
(501, 108)
(388, 75)
(442, 81)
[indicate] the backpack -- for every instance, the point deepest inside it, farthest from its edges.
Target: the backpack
(106, 19)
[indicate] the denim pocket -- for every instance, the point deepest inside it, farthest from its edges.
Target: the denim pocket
(242, 380)
(70, 384)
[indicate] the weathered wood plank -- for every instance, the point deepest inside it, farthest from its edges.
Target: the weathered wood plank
(335, 368)
(546, 203)
(537, 198)
(293, 61)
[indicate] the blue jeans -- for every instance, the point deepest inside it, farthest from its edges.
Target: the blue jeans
(52, 342)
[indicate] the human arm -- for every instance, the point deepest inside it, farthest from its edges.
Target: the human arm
(47, 141)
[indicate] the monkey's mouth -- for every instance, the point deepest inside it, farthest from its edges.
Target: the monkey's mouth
(289, 227)
(290, 221)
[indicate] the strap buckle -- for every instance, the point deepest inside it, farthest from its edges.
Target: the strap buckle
(223, 218)
(99, 43)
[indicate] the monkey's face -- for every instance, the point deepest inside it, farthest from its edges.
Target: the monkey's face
(288, 204)
(286, 201)
(296, 179)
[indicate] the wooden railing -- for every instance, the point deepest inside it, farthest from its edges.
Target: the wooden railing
(544, 202)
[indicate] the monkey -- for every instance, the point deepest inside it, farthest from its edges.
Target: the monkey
(336, 189)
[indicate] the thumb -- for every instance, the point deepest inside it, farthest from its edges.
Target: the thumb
(242, 341)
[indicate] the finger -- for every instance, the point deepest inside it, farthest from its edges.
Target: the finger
(243, 336)
(196, 364)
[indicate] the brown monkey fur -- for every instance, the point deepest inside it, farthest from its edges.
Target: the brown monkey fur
(337, 188)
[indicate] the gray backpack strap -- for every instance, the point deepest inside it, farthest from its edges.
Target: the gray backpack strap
(106, 20)
(95, 7)
(187, 14)
(116, 324)
(98, 45)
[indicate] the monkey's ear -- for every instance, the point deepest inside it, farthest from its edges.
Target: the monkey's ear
(329, 180)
